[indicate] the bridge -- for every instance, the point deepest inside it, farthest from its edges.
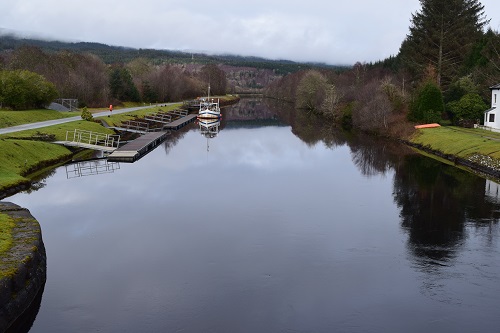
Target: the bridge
(91, 140)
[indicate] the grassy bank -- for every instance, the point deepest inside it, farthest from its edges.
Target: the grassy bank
(460, 142)
(21, 153)
(117, 119)
(21, 157)
(15, 118)
(472, 149)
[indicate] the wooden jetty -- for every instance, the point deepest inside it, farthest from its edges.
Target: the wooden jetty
(134, 150)
(181, 122)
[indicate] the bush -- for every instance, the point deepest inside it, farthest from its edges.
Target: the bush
(23, 90)
(428, 105)
(86, 115)
(469, 108)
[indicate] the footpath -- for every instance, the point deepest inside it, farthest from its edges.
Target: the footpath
(68, 120)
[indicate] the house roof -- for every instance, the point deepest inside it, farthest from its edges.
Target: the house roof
(496, 86)
(489, 110)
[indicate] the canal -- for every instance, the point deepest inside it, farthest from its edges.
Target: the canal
(275, 224)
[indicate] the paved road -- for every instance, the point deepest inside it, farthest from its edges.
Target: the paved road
(67, 120)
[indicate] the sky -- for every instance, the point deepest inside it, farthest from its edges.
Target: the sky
(334, 32)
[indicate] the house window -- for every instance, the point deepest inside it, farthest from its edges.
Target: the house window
(492, 118)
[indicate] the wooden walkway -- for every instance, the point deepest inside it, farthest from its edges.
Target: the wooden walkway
(181, 122)
(134, 150)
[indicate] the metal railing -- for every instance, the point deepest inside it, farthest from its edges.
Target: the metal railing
(93, 138)
(90, 168)
(160, 117)
(136, 125)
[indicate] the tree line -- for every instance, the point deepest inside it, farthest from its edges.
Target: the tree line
(86, 77)
(441, 74)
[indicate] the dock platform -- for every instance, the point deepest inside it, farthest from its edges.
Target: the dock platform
(134, 150)
(181, 122)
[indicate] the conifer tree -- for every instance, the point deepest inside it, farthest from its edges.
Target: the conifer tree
(442, 34)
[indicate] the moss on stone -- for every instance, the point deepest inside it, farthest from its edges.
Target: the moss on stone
(6, 226)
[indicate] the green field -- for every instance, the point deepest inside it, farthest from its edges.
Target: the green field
(117, 119)
(14, 118)
(460, 142)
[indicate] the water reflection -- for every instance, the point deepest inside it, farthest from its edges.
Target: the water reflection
(25, 322)
(209, 128)
(435, 199)
(251, 112)
(441, 207)
(90, 168)
(319, 231)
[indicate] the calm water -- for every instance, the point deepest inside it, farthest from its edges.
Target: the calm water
(280, 226)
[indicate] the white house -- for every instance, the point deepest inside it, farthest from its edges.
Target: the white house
(492, 115)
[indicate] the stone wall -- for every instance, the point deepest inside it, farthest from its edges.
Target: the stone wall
(24, 266)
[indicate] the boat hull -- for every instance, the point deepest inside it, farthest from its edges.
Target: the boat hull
(208, 114)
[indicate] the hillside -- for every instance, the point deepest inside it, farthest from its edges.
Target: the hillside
(117, 54)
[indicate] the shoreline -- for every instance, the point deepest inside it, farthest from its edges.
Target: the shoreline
(23, 267)
(482, 168)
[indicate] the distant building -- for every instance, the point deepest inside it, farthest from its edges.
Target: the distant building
(492, 115)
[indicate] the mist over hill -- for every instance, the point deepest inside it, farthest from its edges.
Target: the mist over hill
(119, 54)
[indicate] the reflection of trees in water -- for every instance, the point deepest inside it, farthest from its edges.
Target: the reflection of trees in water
(39, 182)
(174, 137)
(248, 108)
(308, 127)
(435, 200)
(431, 200)
(374, 155)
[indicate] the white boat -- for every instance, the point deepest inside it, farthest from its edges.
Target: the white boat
(209, 108)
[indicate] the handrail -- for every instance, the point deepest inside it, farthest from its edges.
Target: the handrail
(94, 138)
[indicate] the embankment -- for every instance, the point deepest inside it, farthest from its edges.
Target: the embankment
(23, 264)
(478, 163)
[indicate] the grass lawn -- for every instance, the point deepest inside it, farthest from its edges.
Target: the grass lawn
(18, 154)
(460, 141)
(117, 119)
(14, 118)
(59, 130)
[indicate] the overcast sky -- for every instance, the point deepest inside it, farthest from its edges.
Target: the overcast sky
(334, 32)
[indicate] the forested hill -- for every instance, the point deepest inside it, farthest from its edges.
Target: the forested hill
(117, 54)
